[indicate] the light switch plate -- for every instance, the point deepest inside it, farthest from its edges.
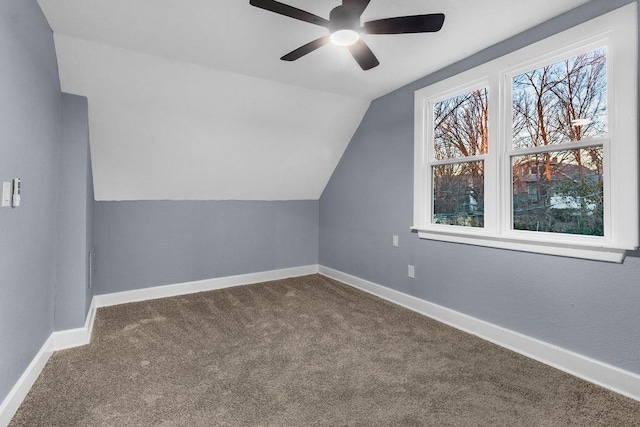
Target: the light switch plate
(395, 241)
(6, 194)
(412, 272)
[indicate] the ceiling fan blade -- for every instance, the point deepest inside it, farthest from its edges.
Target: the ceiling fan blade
(307, 48)
(406, 24)
(357, 5)
(363, 55)
(290, 11)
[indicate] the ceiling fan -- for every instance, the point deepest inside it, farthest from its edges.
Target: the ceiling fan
(345, 27)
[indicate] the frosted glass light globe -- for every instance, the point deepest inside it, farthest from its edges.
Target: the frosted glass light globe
(344, 37)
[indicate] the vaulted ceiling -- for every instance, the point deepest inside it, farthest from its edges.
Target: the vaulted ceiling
(188, 98)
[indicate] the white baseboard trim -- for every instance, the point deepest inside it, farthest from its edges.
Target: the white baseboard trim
(77, 337)
(61, 340)
(600, 373)
(165, 291)
(14, 399)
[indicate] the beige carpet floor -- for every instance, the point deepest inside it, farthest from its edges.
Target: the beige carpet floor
(307, 351)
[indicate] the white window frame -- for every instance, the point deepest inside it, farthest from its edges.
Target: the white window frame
(615, 31)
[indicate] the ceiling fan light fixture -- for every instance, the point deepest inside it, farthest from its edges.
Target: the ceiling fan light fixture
(344, 25)
(345, 37)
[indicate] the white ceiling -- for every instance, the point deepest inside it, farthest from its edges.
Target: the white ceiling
(163, 129)
(189, 100)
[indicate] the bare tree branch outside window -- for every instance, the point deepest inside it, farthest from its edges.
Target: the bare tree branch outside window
(461, 130)
(560, 190)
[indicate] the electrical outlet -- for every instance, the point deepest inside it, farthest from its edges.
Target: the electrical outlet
(412, 272)
(396, 241)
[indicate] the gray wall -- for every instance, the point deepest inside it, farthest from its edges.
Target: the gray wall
(89, 214)
(150, 243)
(29, 135)
(589, 307)
(43, 243)
(75, 212)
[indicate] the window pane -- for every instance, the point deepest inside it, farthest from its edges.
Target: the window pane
(461, 126)
(562, 102)
(458, 194)
(559, 192)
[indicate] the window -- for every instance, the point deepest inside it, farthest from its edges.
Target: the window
(536, 150)
(559, 118)
(460, 143)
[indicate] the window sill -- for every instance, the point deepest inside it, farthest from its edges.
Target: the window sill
(549, 248)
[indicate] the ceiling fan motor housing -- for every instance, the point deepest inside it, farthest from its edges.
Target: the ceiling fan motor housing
(344, 18)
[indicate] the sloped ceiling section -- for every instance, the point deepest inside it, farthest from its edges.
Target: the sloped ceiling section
(163, 129)
(188, 99)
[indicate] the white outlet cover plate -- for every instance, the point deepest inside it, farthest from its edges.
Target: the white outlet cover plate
(6, 194)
